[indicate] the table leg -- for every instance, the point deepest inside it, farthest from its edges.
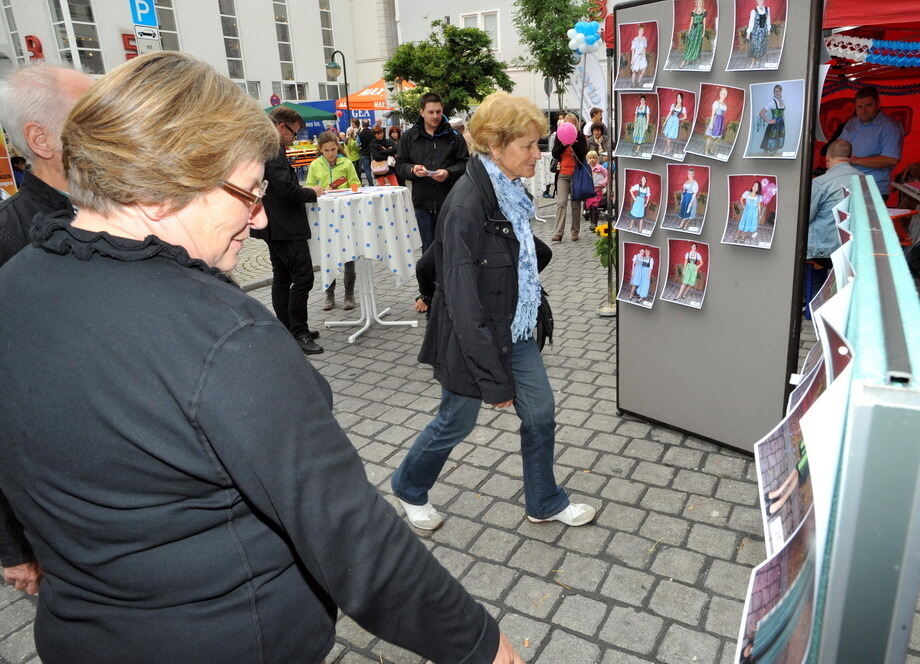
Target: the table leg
(368, 303)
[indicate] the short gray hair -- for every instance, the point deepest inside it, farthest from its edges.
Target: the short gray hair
(32, 94)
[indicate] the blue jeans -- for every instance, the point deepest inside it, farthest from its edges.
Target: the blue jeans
(366, 167)
(427, 220)
(455, 420)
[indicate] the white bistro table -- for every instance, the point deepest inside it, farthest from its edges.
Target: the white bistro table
(374, 223)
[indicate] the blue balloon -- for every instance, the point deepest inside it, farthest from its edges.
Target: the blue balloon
(594, 26)
(591, 38)
(581, 26)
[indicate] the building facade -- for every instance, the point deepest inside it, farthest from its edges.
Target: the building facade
(267, 46)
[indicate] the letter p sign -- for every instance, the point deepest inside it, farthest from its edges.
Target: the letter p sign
(143, 13)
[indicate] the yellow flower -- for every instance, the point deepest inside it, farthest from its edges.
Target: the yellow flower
(601, 229)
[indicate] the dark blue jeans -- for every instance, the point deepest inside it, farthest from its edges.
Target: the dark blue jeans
(455, 420)
(366, 167)
(427, 220)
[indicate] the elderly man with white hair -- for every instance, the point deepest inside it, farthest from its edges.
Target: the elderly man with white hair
(34, 102)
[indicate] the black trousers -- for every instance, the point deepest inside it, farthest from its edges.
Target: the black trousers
(292, 272)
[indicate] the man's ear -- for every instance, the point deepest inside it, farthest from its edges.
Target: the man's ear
(40, 140)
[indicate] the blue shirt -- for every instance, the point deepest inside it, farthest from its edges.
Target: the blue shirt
(826, 192)
(880, 137)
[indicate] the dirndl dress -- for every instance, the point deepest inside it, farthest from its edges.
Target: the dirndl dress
(638, 207)
(775, 135)
(751, 214)
(687, 209)
(694, 44)
(645, 277)
(639, 61)
(691, 267)
(717, 127)
(759, 35)
(672, 124)
(635, 277)
(640, 126)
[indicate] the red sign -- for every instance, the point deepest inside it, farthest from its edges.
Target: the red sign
(130, 45)
(34, 46)
(274, 100)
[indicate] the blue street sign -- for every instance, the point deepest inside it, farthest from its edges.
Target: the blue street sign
(143, 13)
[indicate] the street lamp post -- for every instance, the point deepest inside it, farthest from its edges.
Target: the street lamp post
(332, 71)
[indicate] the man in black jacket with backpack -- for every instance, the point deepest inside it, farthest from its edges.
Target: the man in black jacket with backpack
(433, 156)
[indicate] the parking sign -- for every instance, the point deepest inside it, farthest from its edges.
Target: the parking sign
(143, 13)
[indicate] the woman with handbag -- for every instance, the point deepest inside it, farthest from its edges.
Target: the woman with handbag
(570, 157)
(383, 159)
(480, 336)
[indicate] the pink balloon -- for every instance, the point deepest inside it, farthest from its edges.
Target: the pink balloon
(566, 133)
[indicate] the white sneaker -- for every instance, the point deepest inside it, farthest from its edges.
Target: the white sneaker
(576, 514)
(423, 517)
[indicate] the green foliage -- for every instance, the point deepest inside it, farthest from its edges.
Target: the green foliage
(541, 27)
(457, 63)
(407, 103)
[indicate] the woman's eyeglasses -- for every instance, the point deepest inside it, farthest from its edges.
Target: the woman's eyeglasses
(254, 201)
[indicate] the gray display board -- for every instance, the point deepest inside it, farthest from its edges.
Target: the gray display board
(721, 371)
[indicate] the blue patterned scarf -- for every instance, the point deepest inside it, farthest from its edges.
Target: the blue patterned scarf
(517, 207)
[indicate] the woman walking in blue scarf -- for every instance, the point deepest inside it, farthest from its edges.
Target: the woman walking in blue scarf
(480, 337)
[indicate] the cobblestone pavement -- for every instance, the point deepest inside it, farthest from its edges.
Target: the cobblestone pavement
(660, 577)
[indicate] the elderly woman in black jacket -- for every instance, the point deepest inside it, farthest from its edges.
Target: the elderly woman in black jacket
(480, 336)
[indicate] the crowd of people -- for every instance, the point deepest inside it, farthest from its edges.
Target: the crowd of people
(175, 485)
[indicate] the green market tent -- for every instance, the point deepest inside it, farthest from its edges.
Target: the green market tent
(308, 113)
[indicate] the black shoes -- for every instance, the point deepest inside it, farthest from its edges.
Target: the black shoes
(308, 346)
(314, 334)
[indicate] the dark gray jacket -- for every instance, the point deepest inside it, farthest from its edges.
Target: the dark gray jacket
(468, 338)
(444, 149)
(181, 477)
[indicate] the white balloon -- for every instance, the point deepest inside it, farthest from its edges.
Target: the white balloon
(571, 33)
(573, 44)
(580, 37)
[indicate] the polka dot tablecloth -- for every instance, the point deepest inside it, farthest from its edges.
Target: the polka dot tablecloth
(377, 223)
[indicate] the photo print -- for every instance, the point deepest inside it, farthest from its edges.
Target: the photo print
(677, 111)
(688, 273)
(693, 43)
(638, 56)
(641, 202)
(639, 278)
(687, 190)
(718, 120)
(638, 124)
(775, 126)
(780, 603)
(759, 32)
(752, 203)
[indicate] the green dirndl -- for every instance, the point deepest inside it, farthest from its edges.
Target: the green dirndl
(689, 276)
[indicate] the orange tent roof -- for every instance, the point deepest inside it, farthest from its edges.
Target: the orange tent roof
(371, 98)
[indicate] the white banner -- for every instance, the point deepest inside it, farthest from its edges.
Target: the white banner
(595, 88)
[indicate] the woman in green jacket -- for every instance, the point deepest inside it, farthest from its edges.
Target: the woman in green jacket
(351, 149)
(331, 170)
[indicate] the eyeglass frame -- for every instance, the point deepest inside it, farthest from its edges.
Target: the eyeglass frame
(251, 199)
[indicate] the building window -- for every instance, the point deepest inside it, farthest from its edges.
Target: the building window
(18, 53)
(75, 31)
(166, 17)
(232, 46)
(485, 21)
(285, 50)
(325, 22)
(329, 91)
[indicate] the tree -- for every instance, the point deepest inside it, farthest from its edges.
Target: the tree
(541, 26)
(457, 63)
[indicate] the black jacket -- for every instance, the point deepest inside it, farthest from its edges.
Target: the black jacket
(284, 202)
(183, 480)
(17, 212)
(380, 150)
(16, 216)
(365, 140)
(445, 149)
(468, 338)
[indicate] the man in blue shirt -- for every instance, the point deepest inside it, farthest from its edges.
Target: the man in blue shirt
(826, 192)
(876, 139)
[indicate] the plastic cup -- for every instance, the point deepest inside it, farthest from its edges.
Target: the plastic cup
(354, 186)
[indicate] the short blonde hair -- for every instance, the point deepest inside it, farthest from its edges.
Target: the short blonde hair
(161, 129)
(501, 119)
(592, 153)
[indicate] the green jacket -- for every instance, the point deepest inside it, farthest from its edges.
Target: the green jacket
(351, 149)
(321, 174)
